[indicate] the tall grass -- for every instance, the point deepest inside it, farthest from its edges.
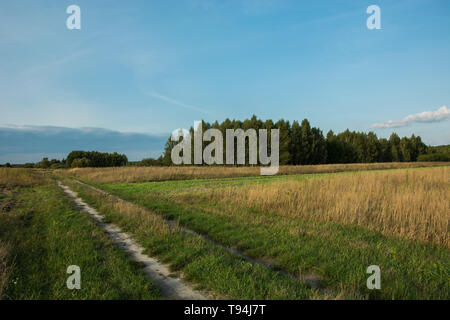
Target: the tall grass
(330, 225)
(4, 269)
(407, 203)
(210, 266)
(144, 174)
(13, 177)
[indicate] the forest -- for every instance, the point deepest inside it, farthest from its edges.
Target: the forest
(301, 144)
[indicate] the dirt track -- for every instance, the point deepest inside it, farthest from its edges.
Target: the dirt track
(312, 280)
(171, 288)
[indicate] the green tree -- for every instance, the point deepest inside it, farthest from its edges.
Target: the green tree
(43, 164)
(394, 140)
(296, 140)
(284, 141)
(318, 147)
(305, 143)
(406, 149)
(385, 151)
(373, 148)
(81, 163)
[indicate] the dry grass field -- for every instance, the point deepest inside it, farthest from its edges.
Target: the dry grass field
(407, 203)
(144, 174)
(412, 204)
(325, 222)
(21, 177)
(330, 225)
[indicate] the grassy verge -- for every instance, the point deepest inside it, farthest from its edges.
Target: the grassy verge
(211, 267)
(45, 236)
(338, 252)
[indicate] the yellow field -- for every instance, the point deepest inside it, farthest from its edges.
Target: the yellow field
(142, 174)
(408, 203)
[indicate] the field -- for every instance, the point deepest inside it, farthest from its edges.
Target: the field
(308, 233)
(41, 234)
(145, 174)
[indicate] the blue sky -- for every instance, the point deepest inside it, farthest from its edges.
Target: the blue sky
(150, 67)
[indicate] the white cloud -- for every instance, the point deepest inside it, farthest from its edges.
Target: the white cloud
(426, 116)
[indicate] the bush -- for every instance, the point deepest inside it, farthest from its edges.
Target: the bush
(81, 163)
(434, 157)
(149, 162)
(43, 164)
(96, 159)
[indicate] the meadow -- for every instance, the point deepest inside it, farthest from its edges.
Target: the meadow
(331, 226)
(309, 233)
(144, 174)
(41, 234)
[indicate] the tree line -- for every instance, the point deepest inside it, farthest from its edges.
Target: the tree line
(301, 144)
(84, 159)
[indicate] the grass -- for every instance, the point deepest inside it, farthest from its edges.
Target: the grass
(207, 265)
(334, 226)
(406, 203)
(145, 174)
(20, 177)
(45, 235)
(4, 270)
(325, 225)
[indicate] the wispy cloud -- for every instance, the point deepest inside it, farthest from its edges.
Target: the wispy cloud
(156, 95)
(426, 116)
(60, 61)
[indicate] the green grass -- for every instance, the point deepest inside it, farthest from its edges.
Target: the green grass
(46, 235)
(209, 266)
(340, 254)
(192, 186)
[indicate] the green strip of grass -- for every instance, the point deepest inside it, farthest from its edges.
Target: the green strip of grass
(45, 236)
(197, 185)
(210, 266)
(341, 254)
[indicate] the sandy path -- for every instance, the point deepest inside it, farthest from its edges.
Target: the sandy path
(312, 280)
(171, 288)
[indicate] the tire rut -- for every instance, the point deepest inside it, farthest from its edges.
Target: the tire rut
(313, 281)
(171, 288)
